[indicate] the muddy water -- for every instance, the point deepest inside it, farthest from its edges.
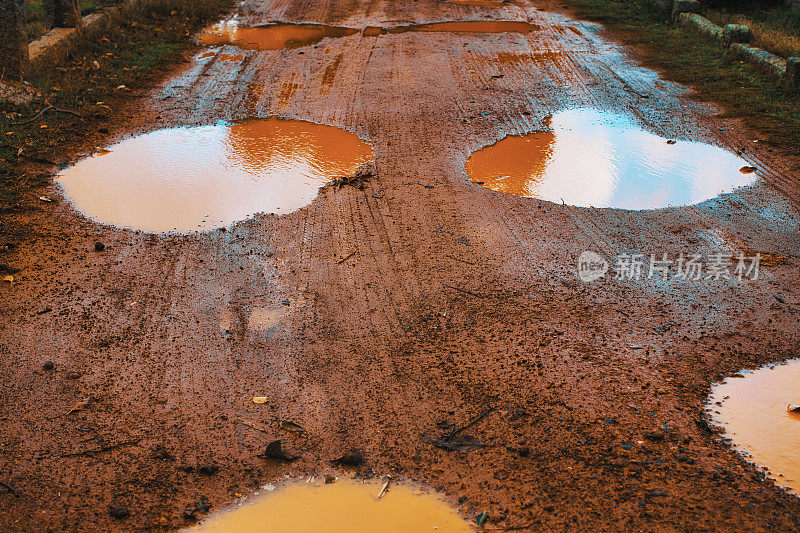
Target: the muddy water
(594, 158)
(346, 506)
(186, 179)
(479, 3)
(470, 26)
(753, 411)
(269, 37)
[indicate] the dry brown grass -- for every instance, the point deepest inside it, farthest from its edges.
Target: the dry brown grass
(781, 41)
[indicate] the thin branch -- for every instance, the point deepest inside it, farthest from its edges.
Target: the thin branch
(43, 111)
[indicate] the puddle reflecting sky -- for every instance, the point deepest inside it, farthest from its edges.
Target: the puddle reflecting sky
(755, 418)
(594, 158)
(269, 37)
(186, 179)
(479, 3)
(346, 506)
(470, 26)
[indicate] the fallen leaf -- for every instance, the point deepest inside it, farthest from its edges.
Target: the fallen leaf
(291, 426)
(80, 406)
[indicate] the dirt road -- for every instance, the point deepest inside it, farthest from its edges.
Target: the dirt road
(422, 299)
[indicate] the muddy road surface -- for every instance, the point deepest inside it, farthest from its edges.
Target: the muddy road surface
(378, 317)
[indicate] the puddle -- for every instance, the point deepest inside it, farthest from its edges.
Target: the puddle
(470, 26)
(753, 411)
(346, 506)
(479, 3)
(201, 178)
(594, 158)
(271, 36)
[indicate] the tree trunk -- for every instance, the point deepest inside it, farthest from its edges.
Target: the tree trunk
(13, 39)
(66, 14)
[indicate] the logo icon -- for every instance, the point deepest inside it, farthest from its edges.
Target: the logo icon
(591, 266)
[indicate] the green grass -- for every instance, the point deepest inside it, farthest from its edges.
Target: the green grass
(137, 49)
(36, 15)
(691, 59)
(38, 21)
(776, 30)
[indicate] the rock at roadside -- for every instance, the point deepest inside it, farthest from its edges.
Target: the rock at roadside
(791, 79)
(685, 6)
(118, 511)
(737, 33)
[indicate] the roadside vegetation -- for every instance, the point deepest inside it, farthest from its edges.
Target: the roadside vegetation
(683, 56)
(137, 48)
(38, 22)
(776, 30)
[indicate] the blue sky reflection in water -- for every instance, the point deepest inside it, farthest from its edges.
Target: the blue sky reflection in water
(600, 159)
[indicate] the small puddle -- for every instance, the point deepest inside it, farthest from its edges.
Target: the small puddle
(470, 26)
(271, 36)
(594, 158)
(753, 411)
(201, 178)
(346, 506)
(479, 3)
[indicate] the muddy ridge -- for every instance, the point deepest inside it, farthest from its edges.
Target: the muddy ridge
(407, 317)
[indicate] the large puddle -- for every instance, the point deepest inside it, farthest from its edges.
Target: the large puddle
(753, 411)
(345, 506)
(282, 36)
(201, 178)
(271, 36)
(470, 26)
(479, 3)
(594, 158)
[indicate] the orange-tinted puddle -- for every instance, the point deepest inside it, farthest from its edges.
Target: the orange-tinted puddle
(200, 178)
(594, 158)
(753, 411)
(470, 26)
(346, 506)
(478, 3)
(269, 37)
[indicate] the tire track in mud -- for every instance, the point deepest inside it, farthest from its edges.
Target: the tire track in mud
(457, 298)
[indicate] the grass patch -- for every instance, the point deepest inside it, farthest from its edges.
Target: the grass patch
(687, 58)
(37, 23)
(139, 46)
(775, 30)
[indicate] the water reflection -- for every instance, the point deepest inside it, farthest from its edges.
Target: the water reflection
(753, 410)
(271, 36)
(346, 506)
(601, 159)
(185, 179)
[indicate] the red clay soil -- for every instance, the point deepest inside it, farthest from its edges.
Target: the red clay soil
(414, 304)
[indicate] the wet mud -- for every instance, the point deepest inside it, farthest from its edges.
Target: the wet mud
(594, 158)
(431, 329)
